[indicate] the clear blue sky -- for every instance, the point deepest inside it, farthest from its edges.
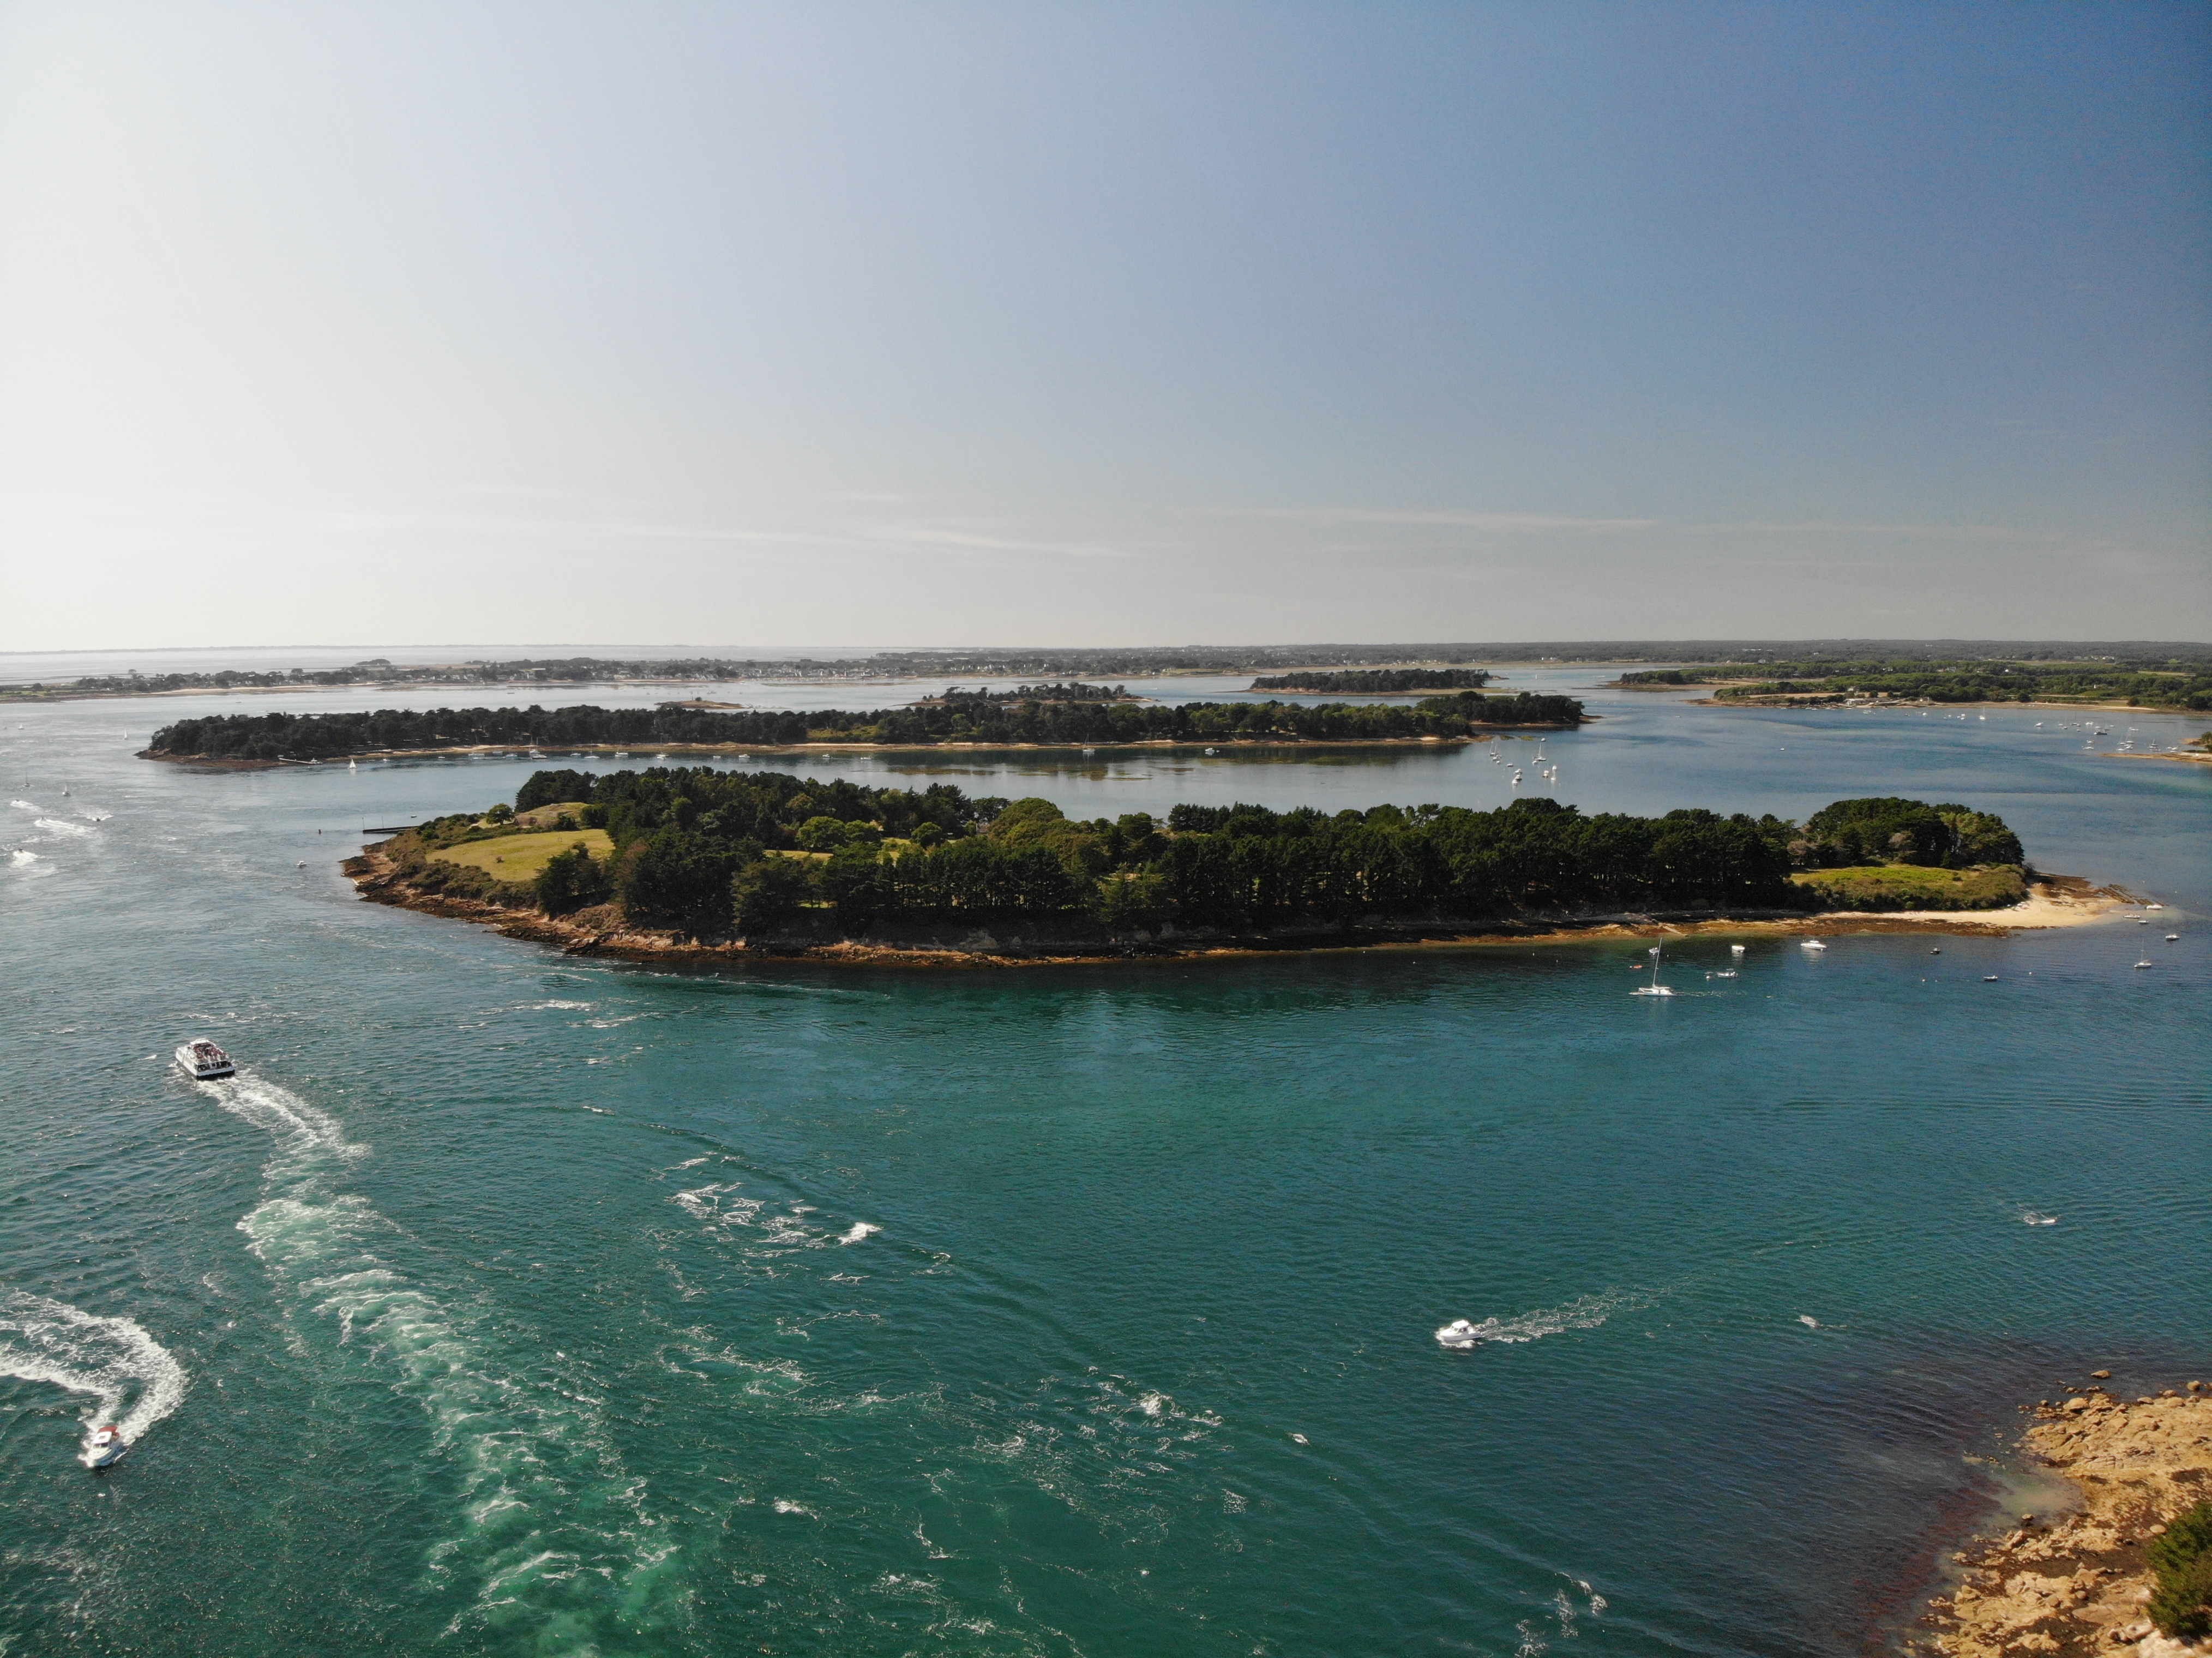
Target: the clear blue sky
(1102, 324)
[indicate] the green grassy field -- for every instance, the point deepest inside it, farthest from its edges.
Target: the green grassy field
(519, 857)
(1907, 886)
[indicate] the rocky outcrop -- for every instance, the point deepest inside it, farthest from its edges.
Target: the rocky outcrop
(2077, 1584)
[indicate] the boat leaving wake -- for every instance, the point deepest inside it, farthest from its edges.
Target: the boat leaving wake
(133, 1379)
(554, 1536)
(298, 1127)
(1584, 1312)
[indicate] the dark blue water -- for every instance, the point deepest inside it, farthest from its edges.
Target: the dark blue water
(508, 1304)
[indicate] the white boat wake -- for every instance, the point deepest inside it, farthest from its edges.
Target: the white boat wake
(1584, 1312)
(133, 1381)
(547, 1508)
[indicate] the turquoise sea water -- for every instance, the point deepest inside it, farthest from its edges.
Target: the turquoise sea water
(508, 1304)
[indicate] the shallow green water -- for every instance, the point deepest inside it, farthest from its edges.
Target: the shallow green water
(511, 1305)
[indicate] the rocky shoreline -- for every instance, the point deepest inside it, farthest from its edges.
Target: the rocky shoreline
(2077, 1584)
(2054, 900)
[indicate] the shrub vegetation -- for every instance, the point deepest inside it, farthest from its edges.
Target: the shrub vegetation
(1906, 886)
(2181, 1604)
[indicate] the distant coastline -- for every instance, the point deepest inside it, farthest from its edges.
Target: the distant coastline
(1060, 716)
(2180, 680)
(725, 751)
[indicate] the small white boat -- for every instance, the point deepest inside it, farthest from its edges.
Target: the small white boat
(2154, 906)
(2173, 938)
(1989, 978)
(1459, 1334)
(1735, 949)
(1725, 972)
(1812, 944)
(202, 1061)
(107, 1448)
(2145, 964)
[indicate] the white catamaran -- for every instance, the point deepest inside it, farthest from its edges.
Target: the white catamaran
(1654, 988)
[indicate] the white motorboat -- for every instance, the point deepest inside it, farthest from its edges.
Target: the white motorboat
(202, 1061)
(2144, 964)
(107, 1448)
(1460, 1335)
(1735, 949)
(1811, 944)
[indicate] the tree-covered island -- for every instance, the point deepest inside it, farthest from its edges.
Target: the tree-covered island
(763, 862)
(985, 721)
(2146, 682)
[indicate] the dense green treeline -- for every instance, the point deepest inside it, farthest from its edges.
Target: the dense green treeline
(272, 737)
(711, 854)
(1952, 681)
(1377, 681)
(1885, 830)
